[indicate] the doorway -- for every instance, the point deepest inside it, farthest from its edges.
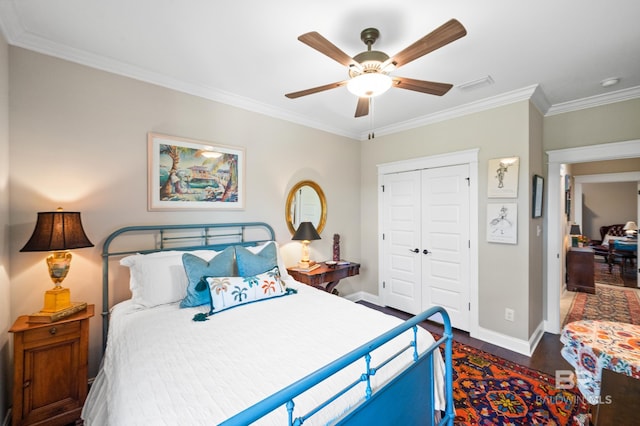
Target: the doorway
(555, 231)
(633, 186)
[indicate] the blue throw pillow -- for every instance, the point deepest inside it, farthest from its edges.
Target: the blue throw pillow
(250, 263)
(222, 265)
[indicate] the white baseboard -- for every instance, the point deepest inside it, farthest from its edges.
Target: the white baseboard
(536, 337)
(364, 296)
(524, 347)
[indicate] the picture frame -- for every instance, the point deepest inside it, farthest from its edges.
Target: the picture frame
(502, 180)
(187, 174)
(538, 193)
(502, 223)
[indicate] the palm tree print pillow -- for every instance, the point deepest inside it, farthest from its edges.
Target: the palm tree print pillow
(229, 292)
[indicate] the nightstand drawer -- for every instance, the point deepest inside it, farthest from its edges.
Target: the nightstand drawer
(50, 331)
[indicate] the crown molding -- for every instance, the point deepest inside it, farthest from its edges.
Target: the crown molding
(595, 101)
(466, 109)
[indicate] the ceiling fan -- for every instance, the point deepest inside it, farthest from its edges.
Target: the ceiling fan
(369, 70)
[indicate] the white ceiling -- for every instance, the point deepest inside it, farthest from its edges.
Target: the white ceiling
(246, 53)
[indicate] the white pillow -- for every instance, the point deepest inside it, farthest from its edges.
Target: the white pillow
(608, 238)
(159, 278)
(229, 292)
(283, 269)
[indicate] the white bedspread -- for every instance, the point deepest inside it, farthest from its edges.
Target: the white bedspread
(161, 367)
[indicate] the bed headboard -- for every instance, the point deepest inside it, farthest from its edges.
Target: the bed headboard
(154, 238)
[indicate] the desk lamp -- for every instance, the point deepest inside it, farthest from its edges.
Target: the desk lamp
(57, 232)
(575, 232)
(305, 233)
(631, 229)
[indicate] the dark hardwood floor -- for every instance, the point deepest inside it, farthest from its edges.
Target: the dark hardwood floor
(546, 357)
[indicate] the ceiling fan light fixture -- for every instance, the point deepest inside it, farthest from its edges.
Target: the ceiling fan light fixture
(368, 85)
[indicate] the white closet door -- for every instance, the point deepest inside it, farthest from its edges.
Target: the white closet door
(401, 222)
(445, 235)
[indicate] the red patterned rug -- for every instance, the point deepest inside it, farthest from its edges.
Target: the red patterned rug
(615, 277)
(489, 390)
(608, 304)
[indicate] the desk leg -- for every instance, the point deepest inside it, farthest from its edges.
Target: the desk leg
(330, 287)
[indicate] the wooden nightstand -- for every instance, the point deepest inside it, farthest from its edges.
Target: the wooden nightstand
(50, 369)
(325, 277)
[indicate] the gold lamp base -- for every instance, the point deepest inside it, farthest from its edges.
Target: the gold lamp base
(56, 299)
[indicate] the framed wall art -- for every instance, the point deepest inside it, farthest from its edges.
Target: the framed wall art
(185, 174)
(502, 226)
(538, 192)
(503, 177)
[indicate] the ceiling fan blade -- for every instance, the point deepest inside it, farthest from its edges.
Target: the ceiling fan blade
(441, 36)
(324, 46)
(313, 90)
(362, 108)
(430, 87)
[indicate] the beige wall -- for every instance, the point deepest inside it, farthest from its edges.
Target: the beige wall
(607, 204)
(608, 123)
(5, 289)
(610, 166)
(500, 132)
(78, 140)
(536, 226)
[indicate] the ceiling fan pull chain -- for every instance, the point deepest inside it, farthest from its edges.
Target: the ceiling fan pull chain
(371, 122)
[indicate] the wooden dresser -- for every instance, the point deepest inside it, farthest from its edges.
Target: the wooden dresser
(580, 269)
(50, 369)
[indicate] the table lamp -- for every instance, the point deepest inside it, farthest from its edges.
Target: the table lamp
(575, 233)
(305, 233)
(57, 232)
(631, 229)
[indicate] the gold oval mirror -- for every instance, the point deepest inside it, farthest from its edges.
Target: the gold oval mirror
(306, 203)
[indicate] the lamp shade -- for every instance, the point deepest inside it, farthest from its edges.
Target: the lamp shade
(57, 231)
(306, 232)
(575, 230)
(630, 226)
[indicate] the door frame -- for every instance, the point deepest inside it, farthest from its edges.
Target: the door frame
(555, 200)
(469, 157)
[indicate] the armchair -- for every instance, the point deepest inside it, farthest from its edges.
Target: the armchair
(601, 247)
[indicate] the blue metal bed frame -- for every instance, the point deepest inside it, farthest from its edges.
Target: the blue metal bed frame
(408, 399)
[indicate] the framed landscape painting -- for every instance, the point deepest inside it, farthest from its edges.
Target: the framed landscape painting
(186, 174)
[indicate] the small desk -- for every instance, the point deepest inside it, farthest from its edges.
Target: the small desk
(325, 277)
(590, 346)
(624, 249)
(606, 357)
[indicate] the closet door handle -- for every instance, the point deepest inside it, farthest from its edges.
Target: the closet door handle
(415, 250)
(425, 251)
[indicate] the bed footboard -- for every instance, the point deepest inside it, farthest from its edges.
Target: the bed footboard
(408, 399)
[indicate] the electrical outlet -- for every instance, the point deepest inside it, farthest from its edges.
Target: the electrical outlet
(509, 314)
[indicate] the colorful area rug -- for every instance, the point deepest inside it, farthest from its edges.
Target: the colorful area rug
(615, 277)
(489, 390)
(608, 304)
